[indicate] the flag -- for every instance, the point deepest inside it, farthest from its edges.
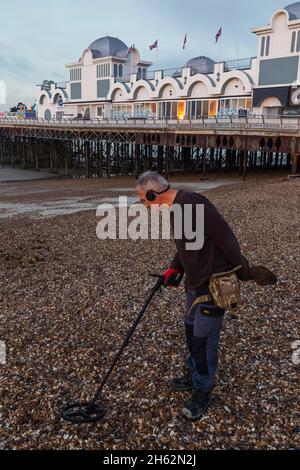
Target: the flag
(185, 41)
(154, 45)
(130, 50)
(219, 34)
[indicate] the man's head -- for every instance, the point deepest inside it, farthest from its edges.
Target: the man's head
(152, 188)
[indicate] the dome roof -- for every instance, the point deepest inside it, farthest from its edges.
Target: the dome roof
(108, 46)
(293, 10)
(201, 64)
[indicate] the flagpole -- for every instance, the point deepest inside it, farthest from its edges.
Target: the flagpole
(185, 48)
(157, 65)
(219, 40)
(237, 49)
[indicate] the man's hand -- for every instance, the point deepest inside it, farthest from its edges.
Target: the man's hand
(170, 277)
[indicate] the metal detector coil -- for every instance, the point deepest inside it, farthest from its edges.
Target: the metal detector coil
(79, 413)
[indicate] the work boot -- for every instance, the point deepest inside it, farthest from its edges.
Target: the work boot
(196, 406)
(182, 384)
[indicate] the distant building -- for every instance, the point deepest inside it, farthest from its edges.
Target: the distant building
(109, 81)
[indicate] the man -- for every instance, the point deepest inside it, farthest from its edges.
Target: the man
(203, 321)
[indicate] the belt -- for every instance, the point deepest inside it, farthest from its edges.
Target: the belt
(200, 300)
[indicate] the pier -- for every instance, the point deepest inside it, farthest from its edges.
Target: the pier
(106, 148)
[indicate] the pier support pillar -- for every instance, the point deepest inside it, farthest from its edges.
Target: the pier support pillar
(137, 160)
(295, 160)
(160, 159)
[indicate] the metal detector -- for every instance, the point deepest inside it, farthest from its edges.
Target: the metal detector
(89, 412)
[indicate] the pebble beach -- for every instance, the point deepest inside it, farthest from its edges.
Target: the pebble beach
(67, 300)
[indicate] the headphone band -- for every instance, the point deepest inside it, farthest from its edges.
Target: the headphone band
(151, 194)
(164, 191)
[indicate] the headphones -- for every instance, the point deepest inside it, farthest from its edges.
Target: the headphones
(151, 195)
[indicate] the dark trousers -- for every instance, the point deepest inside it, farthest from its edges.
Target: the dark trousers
(203, 327)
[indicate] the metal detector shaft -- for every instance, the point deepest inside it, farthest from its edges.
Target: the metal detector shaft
(156, 287)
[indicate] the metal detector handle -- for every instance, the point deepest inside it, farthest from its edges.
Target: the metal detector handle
(175, 282)
(159, 283)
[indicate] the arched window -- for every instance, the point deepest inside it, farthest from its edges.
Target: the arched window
(268, 45)
(298, 42)
(87, 113)
(57, 98)
(262, 50)
(47, 115)
(115, 70)
(293, 42)
(120, 70)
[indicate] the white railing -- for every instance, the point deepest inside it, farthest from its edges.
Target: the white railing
(257, 122)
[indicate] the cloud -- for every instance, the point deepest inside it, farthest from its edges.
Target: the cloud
(38, 39)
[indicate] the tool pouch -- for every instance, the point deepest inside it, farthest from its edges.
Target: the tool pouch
(225, 289)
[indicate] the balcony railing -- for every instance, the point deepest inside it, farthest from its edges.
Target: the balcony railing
(259, 123)
(150, 75)
(61, 85)
(239, 64)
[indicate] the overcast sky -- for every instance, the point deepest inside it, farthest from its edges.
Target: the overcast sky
(38, 38)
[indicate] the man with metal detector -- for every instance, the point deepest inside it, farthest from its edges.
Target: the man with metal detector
(212, 276)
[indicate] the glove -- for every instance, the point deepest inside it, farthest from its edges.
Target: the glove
(170, 277)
